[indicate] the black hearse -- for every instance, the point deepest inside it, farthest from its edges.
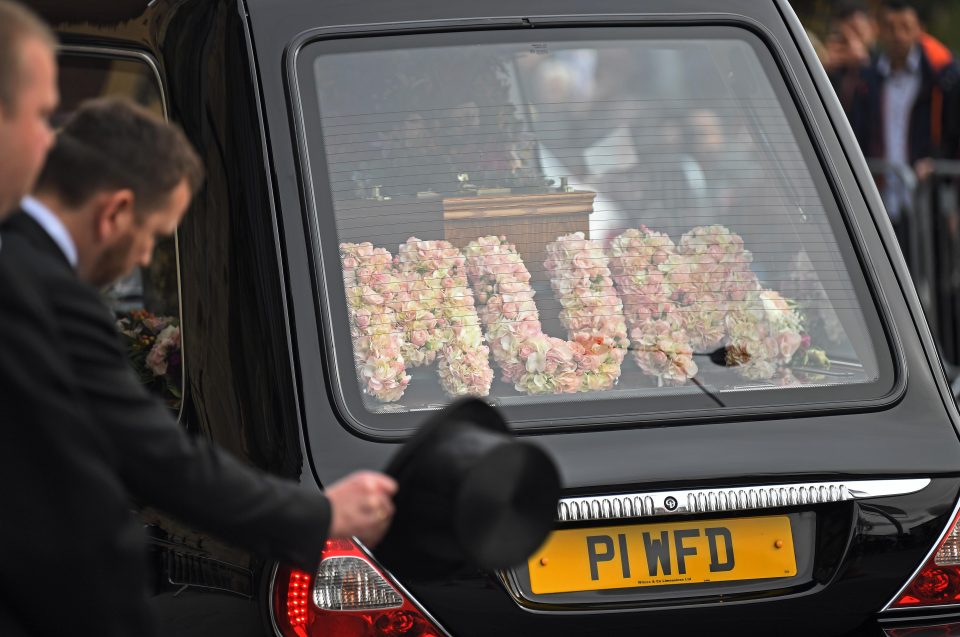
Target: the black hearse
(642, 229)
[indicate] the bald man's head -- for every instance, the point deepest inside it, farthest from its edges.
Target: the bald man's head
(28, 97)
(17, 24)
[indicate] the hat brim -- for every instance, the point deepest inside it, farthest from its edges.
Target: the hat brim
(470, 495)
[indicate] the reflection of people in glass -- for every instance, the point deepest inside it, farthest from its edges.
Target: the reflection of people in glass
(577, 110)
(715, 152)
(423, 120)
(655, 146)
(695, 163)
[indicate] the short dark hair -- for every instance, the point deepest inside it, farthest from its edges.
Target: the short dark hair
(17, 24)
(110, 144)
(904, 5)
(849, 8)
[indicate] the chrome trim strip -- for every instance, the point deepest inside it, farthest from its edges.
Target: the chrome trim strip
(926, 559)
(694, 501)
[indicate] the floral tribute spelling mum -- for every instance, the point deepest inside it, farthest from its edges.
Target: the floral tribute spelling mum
(665, 301)
(412, 310)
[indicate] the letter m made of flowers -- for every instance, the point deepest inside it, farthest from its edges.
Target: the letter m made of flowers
(411, 310)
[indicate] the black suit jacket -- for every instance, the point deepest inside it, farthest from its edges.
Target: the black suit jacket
(71, 556)
(157, 461)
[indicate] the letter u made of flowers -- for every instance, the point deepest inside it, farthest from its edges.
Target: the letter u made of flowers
(372, 286)
(642, 261)
(439, 318)
(592, 311)
(534, 362)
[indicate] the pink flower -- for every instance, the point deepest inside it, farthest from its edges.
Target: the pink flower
(789, 343)
(372, 298)
(167, 343)
(418, 337)
(362, 318)
(589, 363)
(569, 382)
(155, 323)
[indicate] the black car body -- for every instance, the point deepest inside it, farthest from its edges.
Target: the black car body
(865, 473)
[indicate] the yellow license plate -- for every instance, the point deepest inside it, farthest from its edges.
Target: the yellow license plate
(662, 554)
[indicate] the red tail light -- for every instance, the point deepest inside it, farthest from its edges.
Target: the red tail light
(938, 581)
(348, 596)
(940, 630)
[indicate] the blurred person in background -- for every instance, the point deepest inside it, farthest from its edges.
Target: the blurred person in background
(850, 48)
(584, 113)
(905, 109)
(696, 167)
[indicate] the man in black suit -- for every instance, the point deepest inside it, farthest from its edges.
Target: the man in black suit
(116, 179)
(61, 559)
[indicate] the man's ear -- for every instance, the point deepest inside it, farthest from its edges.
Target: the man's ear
(115, 213)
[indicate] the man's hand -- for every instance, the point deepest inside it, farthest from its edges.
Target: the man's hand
(845, 50)
(361, 505)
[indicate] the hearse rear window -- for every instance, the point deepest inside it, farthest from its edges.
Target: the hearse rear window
(578, 225)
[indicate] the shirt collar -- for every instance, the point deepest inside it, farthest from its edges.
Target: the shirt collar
(52, 226)
(913, 62)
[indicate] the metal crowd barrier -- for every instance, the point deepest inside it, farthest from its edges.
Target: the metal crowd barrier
(933, 249)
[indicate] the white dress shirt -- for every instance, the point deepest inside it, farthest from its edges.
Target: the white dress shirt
(53, 227)
(899, 94)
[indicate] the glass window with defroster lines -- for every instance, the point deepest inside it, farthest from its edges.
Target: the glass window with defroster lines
(581, 219)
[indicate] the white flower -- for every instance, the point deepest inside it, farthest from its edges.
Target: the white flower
(167, 340)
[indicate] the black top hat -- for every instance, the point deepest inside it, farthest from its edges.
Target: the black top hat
(470, 495)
